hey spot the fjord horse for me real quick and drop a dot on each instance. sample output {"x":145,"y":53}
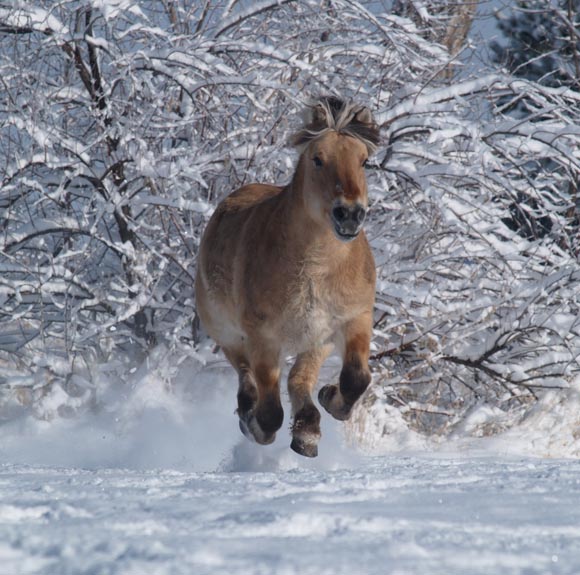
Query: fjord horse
{"x":288,"y":271}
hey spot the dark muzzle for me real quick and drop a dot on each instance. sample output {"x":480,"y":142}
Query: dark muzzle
{"x":348,"y":220}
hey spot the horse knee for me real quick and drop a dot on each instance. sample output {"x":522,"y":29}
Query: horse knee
{"x":353,"y":382}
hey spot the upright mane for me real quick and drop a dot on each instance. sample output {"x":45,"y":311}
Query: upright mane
{"x":333,"y":114}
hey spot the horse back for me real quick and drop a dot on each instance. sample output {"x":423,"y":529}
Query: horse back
{"x":248,"y":197}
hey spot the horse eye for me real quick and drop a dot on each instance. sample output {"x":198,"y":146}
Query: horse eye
{"x":317,"y":162}
{"x":365,"y":163}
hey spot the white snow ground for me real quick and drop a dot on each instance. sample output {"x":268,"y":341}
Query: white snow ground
{"x":391,"y":515}
{"x":162,"y":483}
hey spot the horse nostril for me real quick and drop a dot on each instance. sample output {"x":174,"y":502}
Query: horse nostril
{"x":350,"y":215}
{"x":359,"y":214}
{"x":340,"y":214}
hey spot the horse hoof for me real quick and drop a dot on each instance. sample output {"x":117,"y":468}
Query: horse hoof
{"x":251,"y":429}
{"x":330,"y":399}
{"x":245,"y":430}
{"x":266,"y":438}
{"x":326,"y":394}
{"x":304,"y":448}
{"x":306,"y":431}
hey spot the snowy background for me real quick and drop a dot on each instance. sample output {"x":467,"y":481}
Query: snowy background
{"x":123,"y":123}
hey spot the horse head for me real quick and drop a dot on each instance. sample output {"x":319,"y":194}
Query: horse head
{"x":335,"y":145}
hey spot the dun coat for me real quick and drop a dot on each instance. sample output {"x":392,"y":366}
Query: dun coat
{"x":288,"y":271}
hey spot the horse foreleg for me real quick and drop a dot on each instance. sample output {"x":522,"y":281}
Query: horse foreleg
{"x":301,"y":381}
{"x":247,"y":402}
{"x":355,"y":376}
{"x":259,"y":407}
{"x":269,"y":414}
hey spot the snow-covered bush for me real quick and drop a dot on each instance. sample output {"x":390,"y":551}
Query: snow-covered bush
{"x":476,"y":304}
{"x":122,"y":123}
{"x":541,"y":41}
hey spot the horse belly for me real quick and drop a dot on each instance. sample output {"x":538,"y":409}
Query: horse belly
{"x":227,"y":333}
{"x":217,"y":319}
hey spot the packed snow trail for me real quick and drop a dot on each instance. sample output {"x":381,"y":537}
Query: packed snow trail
{"x":396,"y":515}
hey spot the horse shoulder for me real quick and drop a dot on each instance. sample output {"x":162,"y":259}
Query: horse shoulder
{"x":368,"y":273}
{"x":354,"y":278}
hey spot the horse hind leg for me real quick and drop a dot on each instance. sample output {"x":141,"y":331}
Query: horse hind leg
{"x":355,"y":376}
{"x":306,"y":417}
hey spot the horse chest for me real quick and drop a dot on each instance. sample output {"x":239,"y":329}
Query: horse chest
{"x":314,"y":317}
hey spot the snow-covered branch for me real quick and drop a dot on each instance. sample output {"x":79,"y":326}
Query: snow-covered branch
{"x":123,"y":124}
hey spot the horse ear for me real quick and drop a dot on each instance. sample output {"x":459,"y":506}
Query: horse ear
{"x":316,"y":120}
{"x":300,"y":139}
{"x":319,"y":116}
{"x":364,"y":116}
{"x":365,"y":127}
